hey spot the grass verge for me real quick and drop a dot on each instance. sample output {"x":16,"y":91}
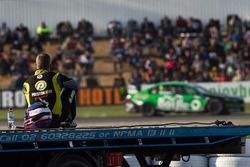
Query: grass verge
{"x":94,"y":111}
{"x":83,"y":112}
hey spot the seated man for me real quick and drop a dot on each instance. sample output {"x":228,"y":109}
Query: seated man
{"x":54,"y":89}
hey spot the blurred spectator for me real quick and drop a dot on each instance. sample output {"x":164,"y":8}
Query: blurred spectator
{"x":17,"y":45}
{"x":88,"y":44}
{"x":118,"y":58}
{"x":69,"y":46}
{"x":5,"y":34}
{"x":115,"y":29}
{"x":214,"y":51}
{"x":166,"y":26}
{"x":135,"y":57}
{"x":43,"y":31}
{"x":196,"y":64}
{"x":214,"y":23}
{"x":164,"y":44}
{"x":170,"y":63}
{"x":87,"y":63}
{"x":83,"y":62}
{"x":118,"y":54}
{"x":246,"y":58}
{"x":136,"y":79}
{"x":35,"y":46}
{"x":246,"y":24}
{"x":84,"y":29}
{"x":181,"y":25}
{"x":135,"y":42}
{"x":147,"y":28}
{"x":234,"y":23}
{"x":213,"y":73}
{"x":150,"y":64}
{"x":5,"y":64}
{"x":221,"y":77}
{"x":64,"y":29}
{"x":68,"y":65}
{"x":153,"y":76}
{"x":205,"y":77}
{"x":55,"y":63}
{"x":194,"y":25}
{"x":18,"y":83}
{"x":21,"y":62}
{"x":132,"y":28}
{"x":213,"y":29}
{"x":21,"y":34}
{"x":246,"y":74}
{"x":237,"y":76}
{"x":230,"y":72}
{"x":120,"y":83}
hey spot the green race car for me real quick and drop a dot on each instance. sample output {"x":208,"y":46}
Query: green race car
{"x":181,"y":97}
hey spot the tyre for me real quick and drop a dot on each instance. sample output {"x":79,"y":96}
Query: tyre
{"x":247,"y":146}
{"x":240,"y":160}
{"x":215,"y":106}
{"x":194,"y":161}
{"x":70,"y":160}
{"x":132,"y":160}
{"x":148,"y":110}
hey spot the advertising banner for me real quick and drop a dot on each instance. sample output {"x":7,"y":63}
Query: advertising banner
{"x":12,"y":99}
{"x":85,"y":97}
{"x":99,"y":96}
{"x":241,"y":89}
{"x":111,"y":96}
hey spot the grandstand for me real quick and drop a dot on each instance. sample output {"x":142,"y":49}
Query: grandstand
{"x":103,"y":67}
{"x":159,"y":48}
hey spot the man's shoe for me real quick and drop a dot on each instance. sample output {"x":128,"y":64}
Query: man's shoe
{"x":71,"y":124}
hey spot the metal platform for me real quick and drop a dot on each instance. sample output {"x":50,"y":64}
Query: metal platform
{"x":195,"y":138}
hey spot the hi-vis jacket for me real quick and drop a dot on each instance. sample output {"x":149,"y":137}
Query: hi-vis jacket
{"x":47,"y":86}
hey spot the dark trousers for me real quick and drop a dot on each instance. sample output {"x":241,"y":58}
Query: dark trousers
{"x":68,"y":98}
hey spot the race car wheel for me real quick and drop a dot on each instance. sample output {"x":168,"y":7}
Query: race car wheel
{"x":71,"y":160}
{"x":148,"y":110}
{"x":215,"y":106}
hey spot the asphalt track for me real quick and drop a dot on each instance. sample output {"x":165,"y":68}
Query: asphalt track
{"x":177,"y":119}
{"x":236,"y":119}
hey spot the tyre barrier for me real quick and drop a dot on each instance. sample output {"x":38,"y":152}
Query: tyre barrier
{"x":194,"y":161}
{"x":247,"y":146}
{"x":214,"y":160}
{"x":131,"y":160}
{"x":229,"y":160}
